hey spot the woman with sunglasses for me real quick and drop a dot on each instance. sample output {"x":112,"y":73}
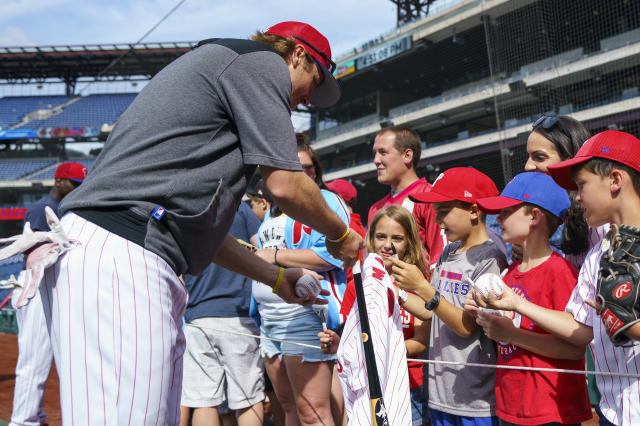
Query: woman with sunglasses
{"x":556,"y":138}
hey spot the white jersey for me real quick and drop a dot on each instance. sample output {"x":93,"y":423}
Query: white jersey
{"x":620,"y":396}
{"x":388,"y":343}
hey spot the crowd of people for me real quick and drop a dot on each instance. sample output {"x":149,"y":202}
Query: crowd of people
{"x":164,"y":201}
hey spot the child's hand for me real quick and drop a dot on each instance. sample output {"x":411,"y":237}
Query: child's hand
{"x":407,"y":276}
{"x":496,"y":327}
{"x":507,"y":302}
{"x":329,"y":341}
{"x":470,"y":305}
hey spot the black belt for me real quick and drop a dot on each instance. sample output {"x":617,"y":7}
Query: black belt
{"x":118,"y":220}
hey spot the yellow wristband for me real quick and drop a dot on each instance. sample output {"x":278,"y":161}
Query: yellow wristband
{"x":276,"y":288}
{"x":346,"y":233}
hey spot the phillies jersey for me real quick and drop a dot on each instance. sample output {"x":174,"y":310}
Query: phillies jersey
{"x":299,"y":236}
{"x":385,"y":323}
{"x":620,"y":396}
{"x":432,"y":237}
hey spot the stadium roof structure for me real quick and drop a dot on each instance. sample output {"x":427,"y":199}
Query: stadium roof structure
{"x":91,"y":62}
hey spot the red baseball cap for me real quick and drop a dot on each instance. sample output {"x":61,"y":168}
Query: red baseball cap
{"x":317,"y":45}
{"x":72,"y":171}
{"x":344,"y":189}
{"x":611,"y":144}
{"x":459,"y":183}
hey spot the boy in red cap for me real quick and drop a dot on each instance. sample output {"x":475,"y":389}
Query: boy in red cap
{"x":456,"y":393}
{"x":530,"y":209}
{"x":606,"y":174}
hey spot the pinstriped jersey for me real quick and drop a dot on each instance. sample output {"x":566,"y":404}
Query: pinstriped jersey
{"x":388,"y":342}
{"x":620,"y":396}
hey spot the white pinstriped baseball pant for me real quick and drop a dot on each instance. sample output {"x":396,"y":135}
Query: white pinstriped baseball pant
{"x":33,"y":366}
{"x":114,"y":312}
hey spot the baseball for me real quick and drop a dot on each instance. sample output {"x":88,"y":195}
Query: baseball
{"x":486,"y":283}
{"x":307,"y":285}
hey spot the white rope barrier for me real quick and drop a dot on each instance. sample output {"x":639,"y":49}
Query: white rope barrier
{"x":433,"y":361}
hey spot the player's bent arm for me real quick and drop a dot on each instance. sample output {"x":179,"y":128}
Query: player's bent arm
{"x":299,"y":197}
{"x":559,"y":323}
{"x":234,"y":257}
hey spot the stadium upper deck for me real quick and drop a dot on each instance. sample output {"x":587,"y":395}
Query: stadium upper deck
{"x":471,"y":79}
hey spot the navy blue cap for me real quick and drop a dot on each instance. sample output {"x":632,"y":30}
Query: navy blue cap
{"x":533,"y":188}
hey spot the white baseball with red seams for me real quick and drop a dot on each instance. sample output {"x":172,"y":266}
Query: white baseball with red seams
{"x":488,"y":283}
{"x":307,"y":285}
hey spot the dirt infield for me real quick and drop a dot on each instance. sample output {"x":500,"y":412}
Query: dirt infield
{"x":8,"y":357}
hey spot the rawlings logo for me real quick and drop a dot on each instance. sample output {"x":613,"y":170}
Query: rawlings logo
{"x":611,"y":322}
{"x":622,"y":291}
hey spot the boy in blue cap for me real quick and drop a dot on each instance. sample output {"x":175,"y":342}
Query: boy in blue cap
{"x":530,"y":208}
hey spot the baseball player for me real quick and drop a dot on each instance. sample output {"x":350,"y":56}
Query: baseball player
{"x":159,"y":202}
{"x":34,"y":350}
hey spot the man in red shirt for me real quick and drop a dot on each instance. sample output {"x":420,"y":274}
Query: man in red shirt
{"x":396,"y":153}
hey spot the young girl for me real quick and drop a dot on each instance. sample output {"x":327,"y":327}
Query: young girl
{"x":394,"y":226}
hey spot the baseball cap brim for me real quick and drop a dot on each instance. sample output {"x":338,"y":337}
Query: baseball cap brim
{"x":430,"y":197}
{"x":328,"y":93}
{"x":493,"y":205}
{"x":562,"y":174}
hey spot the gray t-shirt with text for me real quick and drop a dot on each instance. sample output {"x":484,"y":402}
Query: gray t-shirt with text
{"x":460,"y":390}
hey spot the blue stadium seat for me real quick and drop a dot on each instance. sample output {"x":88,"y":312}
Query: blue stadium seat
{"x":13,"y":109}
{"x":16,"y":169}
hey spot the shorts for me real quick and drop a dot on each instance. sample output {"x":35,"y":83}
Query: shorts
{"x":303,"y":329}
{"x":222,"y":367}
{"x":440,"y":418}
{"x":419,"y":407}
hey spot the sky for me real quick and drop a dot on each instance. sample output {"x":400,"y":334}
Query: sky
{"x":346,"y":23}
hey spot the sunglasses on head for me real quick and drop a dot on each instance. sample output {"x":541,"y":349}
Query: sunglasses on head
{"x":332,"y":65}
{"x":547,"y":122}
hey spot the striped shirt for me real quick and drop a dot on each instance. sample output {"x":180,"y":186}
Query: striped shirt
{"x":620,"y":396}
{"x":595,"y":236}
{"x":390,"y":353}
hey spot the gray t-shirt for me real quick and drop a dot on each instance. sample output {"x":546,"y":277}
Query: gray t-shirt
{"x":189,"y":143}
{"x":460,"y":390}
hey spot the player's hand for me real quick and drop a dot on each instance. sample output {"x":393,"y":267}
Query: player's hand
{"x":407,"y":276}
{"x":346,"y":250}
{"x":287,"y":288}
{"x":329,"y":341}
{"x":496,"y":327}
{"x":508,"y":301}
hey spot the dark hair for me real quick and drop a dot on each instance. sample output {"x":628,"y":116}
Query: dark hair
{"x":553,"y":221}
{"x":603,"y":167}
{"x":568,"y":135}
{"x":405,"y":138}
{"x":305,"y":146}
